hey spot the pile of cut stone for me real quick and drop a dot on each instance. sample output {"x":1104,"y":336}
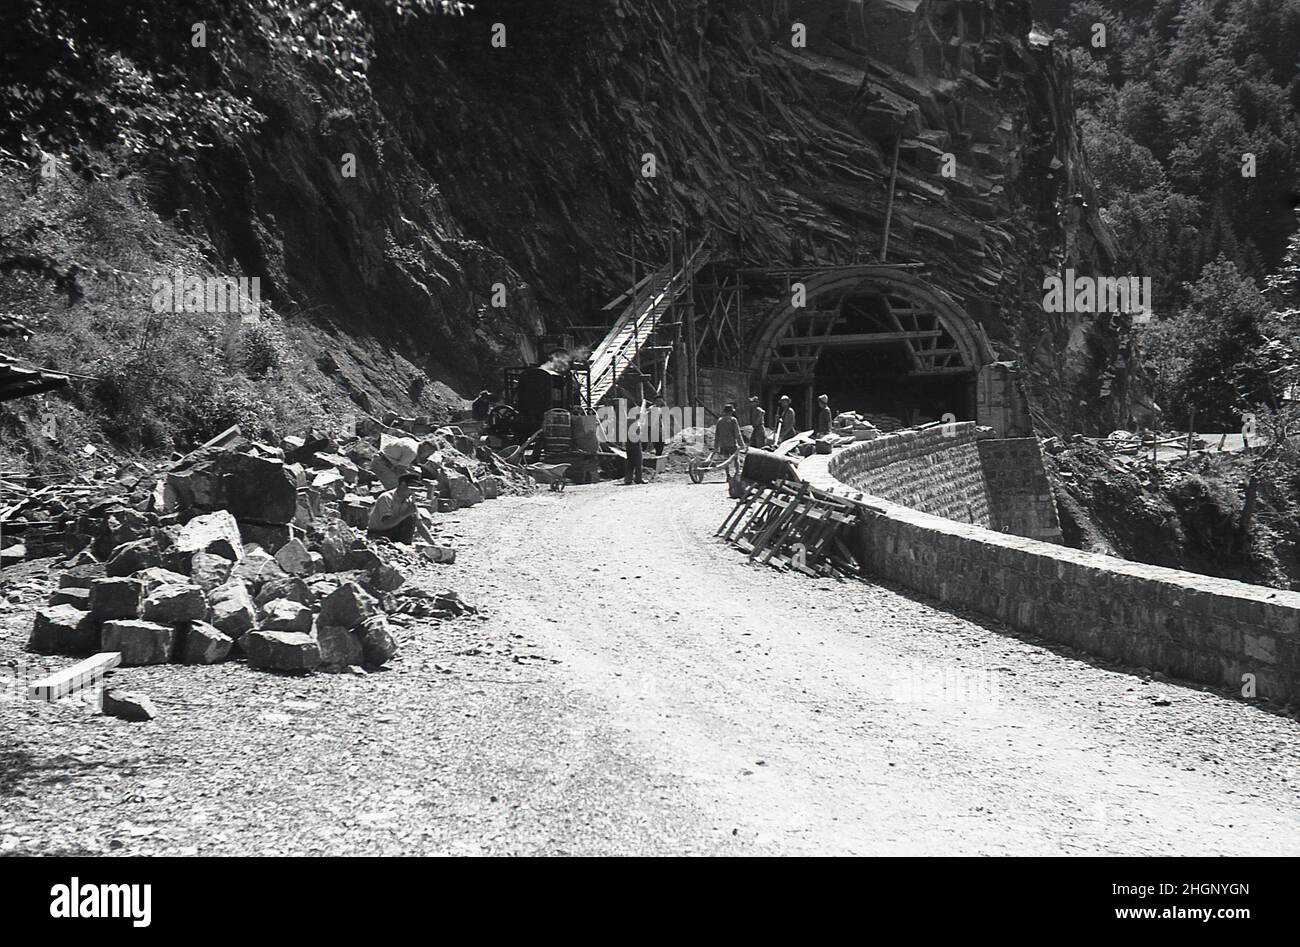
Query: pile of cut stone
{"x":197,"y":594}
{"x":246,"y":549}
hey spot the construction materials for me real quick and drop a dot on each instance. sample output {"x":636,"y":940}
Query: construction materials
{"x":557,"y":428}
{"x":793,"y":526}
{"x":701,"y":467}
{"x":766,"y":466}
{"x":71,"y":680}
{"x":638,"y":326}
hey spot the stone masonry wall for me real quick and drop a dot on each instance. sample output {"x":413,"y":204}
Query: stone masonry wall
{"x":1219,"y":632}
{"x":936,"y":469}
{"x":1020,"y":496}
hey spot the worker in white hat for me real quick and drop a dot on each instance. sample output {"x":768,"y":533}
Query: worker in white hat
{"x":784,"y":420}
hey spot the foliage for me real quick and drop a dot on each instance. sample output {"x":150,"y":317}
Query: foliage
{"x":1193,"y":88}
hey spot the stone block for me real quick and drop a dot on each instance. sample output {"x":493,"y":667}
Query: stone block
{"x":340,"y":648}
{"x":141,"y":642}
{"x":208,"y":570}
{"x":63,"y":629}
{"x":377,"y":641}
{"x":285,"y":615}
{"x":347,"y":606}
{"x":173,"y":604}
{"x":281,"y":651}
{"x":115,"y":597}
{"x":216,"y":533}
{"x":79,"y":598}
{"x":203,"y":644}
{"x":231,"y":610}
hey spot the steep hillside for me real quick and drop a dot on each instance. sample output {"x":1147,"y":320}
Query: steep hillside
{"x":481,"y":166}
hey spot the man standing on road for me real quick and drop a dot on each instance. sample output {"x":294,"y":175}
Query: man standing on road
{"x":659,"y":432}
{"x":726,"y":439}
{"x":633,"y":469}
{"x":758,"y":418}
{"x":823,"y":423}
{"x":784,"y":420}
{"x":395,"y":515}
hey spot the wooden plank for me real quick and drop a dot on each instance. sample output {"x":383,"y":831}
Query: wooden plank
{"x":863,"y":338}
{"x":72,"y":679}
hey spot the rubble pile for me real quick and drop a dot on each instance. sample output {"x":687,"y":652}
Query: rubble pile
{"x":245,"y":549}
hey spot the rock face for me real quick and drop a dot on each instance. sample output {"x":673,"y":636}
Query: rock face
{"x":281,"y":651}
{"x":141,"y":642}
{"x":786,"y":152}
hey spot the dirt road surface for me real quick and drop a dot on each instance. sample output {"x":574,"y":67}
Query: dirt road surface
{"x":635,"y":686}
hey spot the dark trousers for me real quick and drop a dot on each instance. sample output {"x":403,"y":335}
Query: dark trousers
{"x":632,"y":468}
{"x":403,"y":532}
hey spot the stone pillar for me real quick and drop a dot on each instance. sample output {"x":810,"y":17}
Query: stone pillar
{"x":1000,"y":401}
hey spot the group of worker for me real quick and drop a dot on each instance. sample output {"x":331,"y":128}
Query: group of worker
{"x":728,"y":437}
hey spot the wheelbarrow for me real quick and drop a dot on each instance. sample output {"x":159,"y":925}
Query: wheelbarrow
{"x":701,"y":467}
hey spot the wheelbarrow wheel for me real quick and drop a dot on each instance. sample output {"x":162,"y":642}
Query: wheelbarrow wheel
{"x":697,"y":472}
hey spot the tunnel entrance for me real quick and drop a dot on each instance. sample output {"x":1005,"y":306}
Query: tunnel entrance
{"x":874,"y":348}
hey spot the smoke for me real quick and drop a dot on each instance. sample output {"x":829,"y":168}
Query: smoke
{"x":560,"y":361}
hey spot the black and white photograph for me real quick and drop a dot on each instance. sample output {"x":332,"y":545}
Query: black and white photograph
{"x":651,"y":428}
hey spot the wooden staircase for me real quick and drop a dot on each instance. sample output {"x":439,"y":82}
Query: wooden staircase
{"x":637,"y":329}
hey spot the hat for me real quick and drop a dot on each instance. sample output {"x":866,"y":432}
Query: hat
{"x":410,"y":478}
{"x":785,"y":398}
{"x":753,"y":399}
{"x":824,"y":398}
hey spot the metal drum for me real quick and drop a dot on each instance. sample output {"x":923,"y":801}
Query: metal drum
{"x":557,"y":429}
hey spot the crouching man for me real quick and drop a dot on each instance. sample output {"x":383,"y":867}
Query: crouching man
{"x":395,"y":515}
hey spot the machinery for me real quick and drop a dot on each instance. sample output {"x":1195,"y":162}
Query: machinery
{"x":529,"y":392}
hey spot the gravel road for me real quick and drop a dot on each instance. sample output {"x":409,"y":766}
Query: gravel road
{"x":635,"y":686}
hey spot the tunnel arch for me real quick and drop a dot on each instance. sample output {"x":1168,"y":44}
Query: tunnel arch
{"x":878,"y":339}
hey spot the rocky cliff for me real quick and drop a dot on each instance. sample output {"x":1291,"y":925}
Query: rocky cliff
{"x":498,"y":163}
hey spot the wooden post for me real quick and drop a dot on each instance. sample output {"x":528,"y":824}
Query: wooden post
{"x":889,"y":206}
{"x":1191,"y":427}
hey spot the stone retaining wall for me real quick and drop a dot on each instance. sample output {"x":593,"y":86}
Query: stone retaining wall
{"x":1214,"y":631}
{"x":936,"y":469}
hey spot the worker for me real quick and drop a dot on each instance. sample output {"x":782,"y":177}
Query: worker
{"x":726,"y":439}
{"x":784,"y":420}
{"x":481,"y":405}
{"x":395,"y":515}
{"x":659,"y":432}
{"x":633,"y":466}
{"x":758,"y":418}
{"x":823,"y":423}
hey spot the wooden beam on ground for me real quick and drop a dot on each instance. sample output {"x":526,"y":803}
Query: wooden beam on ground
{"x":73,"y":679}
